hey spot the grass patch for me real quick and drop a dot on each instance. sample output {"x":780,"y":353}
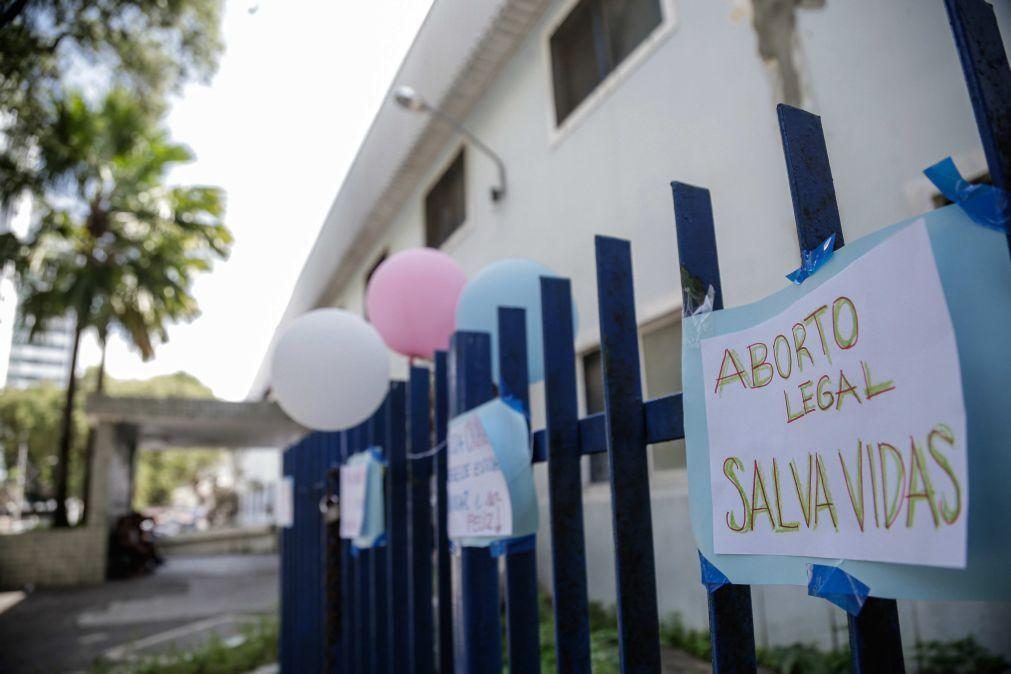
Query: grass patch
{"x":258,"y":647}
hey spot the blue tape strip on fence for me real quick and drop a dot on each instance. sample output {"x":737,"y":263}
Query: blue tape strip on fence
{"x":812,"y":260}
{"x":512,"y":546}
{"x":515,"y":403}
{"x":984,"y":204}
{"x":712,"y":577}
{"x":835,"y":585}
{"x":380,"y":542}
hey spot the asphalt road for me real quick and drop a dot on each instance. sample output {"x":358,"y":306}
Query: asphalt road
{"x":65,"y":630}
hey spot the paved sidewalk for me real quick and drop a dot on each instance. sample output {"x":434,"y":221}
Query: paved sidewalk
{"x":64,"y":630}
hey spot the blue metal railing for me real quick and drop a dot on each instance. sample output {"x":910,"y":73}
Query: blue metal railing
{"x":415,"y":605}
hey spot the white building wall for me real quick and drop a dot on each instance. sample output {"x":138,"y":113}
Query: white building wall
{"x":698,"y":105}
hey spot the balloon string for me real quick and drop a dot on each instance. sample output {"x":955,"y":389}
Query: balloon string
{"x":431,"y":452}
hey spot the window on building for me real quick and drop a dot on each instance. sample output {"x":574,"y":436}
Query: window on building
{"x":593,"y":388}
{"x":660,"y":349}
{"x":592,"y":41}
{"x":368,"y":277}
{"x":661,"y":359}
{"x":446,"y":204}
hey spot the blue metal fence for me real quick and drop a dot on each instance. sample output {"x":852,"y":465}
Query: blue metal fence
{"x":415,"y":605}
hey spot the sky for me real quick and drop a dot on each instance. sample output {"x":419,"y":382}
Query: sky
{"x":277,"y":128}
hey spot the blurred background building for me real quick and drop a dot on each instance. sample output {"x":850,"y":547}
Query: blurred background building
{"x":25,"y":360}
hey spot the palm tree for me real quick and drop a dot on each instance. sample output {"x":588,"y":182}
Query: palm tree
{"x":113,"y":245}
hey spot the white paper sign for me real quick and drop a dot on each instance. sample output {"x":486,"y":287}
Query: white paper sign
{"x":353,"y":484}
{"x":479,"y":502}
{"x":837,"y":429}
{"x":284,"y":499}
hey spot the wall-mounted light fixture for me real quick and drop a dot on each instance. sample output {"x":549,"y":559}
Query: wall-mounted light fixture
{"x":409,"y":99}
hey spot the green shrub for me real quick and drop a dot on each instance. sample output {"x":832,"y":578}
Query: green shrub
{"x":964,"y":656}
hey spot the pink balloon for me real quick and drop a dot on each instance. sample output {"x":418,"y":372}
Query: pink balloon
{"x":411,"y":300}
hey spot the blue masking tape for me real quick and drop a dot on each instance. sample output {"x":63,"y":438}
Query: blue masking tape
{"x":812,"y":260}
{"x":984,"y":204}
{"x":712,"y":577}
{"x":514,"y":403}
{"x":380,"y":542}
{"x":835,"y":585}
{"x":511,"y":546}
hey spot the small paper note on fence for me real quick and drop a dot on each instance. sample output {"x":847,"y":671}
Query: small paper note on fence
{"x":284,"y":501}
{"x":479,"y":502}
{"x":837,"y":428}
{"x":353,"y":484}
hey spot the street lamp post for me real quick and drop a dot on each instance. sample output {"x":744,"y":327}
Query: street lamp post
{"x":409,"y":99}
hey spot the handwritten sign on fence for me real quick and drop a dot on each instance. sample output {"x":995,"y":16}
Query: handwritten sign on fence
{"x":837,"y":427}
{"x":284,"y":502}
{"x":861,"y":417}
{"x":479,"y":501}
{"x":353,"y":484}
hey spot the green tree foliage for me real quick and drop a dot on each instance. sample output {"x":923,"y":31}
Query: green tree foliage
{"x":112,"y":244}
{"x":144,"y":46}
{"x":178,"y":385}
{"x":33,"y":415}
{"x":160,"y":472}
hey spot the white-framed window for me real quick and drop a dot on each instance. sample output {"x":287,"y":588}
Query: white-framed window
{"x":660,"y":360}
{"x":592,"y":43}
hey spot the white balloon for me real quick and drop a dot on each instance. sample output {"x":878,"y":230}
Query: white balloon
{"x":330,"y":370}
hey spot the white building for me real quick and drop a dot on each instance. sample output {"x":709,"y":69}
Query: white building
{"x":25,"y":361}
{"x":594,"y":107}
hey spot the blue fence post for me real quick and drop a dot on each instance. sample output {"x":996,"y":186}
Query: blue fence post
{"x":298,"y":531}
{"x":332,"y":559}
{"x":383,"y":434}
{"x":565,"y":485}
{"x":523,"y":629}
{"x":731,"y":621}
{"x":988,"y":77}
{"x":320,"y":468}
{"x":875,"y":638}
{"x":285,"y":645}
{"x":625,"y":429}
{"x":308,"y":531}
{"x":348,"y":586}
{"x":419,"y":509}
{"x":442,"y":552}
{"x":363,"y":579}
{"x":477,"y":638}
{"x":396,"y":571}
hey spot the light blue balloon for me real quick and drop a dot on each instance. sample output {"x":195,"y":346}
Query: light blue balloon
{"x":514,"y":282}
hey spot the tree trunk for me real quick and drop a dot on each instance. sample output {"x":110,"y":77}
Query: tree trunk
{"x":67,"y":432}
{"x":89,"y":450}
{"x":100,"y":382}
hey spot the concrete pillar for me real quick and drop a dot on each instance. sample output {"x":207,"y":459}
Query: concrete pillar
{"x":112,"y":472}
